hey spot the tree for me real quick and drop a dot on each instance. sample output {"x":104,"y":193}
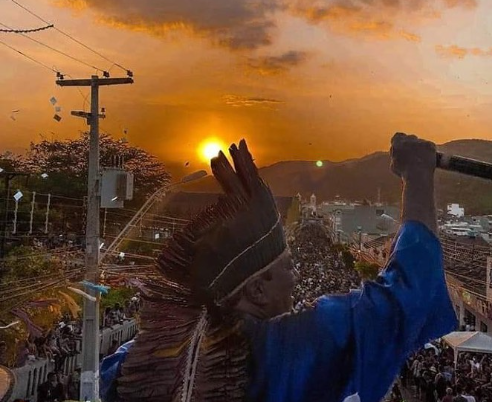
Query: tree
{"x":29,"y":262}
{"x":66,"y":162}
{"x":11,"y":162}
{"x":348,"y":259}
{"x":367,"y":270}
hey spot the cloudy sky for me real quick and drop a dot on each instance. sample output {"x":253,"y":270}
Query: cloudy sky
{"x":299,"y":79}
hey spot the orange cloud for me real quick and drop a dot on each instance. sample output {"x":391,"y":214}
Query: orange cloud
{"x":458,"y":52}
{"x":238,"y":24}
{"x":242,"y":101}
{"x":250,"y":24}
{"x":461,"y":3}
{"x":410,"y":36}
{"x":273,"y":65}
{"x":380,"y":19}
{"x":381,"y":29}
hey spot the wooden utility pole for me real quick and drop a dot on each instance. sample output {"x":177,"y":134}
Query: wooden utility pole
{"x":89,"y":387}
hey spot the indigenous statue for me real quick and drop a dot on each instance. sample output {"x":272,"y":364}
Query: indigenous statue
{"x":217,"y":325}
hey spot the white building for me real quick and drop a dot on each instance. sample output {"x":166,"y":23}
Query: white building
{"x":456,"y":210}
{"x":462,"y":229}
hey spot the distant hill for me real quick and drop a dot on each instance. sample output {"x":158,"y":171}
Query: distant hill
{"x":357,"y":179}
{"x":186,"y":204}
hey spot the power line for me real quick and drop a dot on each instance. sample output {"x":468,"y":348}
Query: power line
{"x":130,"y":74}
{"x":57,"y":50}
{"x":70,"y":249}
{"x":30,"y":58}
{"x":21,"y":282}
{"x":24,"y":31}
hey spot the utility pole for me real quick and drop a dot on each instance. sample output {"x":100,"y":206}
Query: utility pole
{"x":89,"y":387}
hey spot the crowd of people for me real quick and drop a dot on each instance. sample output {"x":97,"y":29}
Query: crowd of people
{"x":64,"y":338}
{"x":322,"y":270}
{"x":62,"y":341}
{"x":118,"y":314}
{"x":429,"y":374}
{"x":432,"y":376}
{"x":56,"y":345}
{"x":59,"y":387}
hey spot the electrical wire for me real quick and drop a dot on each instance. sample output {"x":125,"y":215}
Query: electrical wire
{"x":30,"y":58}
{"x":73,"y":39}
{"x":33,"y":278}
{"x":54,"y":284}
{"x":66,"y":275}
{"x":42,"y":254}
{"x":132,"y":255}
{"x":57,"y":50}
{"x":24,"y":31}
{"x":185,"y":221}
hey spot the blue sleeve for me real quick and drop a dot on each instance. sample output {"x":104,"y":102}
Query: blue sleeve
{"x":407,"y":306}
{"x":110,"y":371}
{"x":355,"y":344}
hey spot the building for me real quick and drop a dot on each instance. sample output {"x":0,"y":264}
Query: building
{"x":461,"y":228}
{"x":370,"y":220}
{"x":467,"y":262}
{"x":455,"y":210}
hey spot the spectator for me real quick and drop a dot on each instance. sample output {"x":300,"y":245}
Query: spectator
{"x":51,"y":390}
{"x":117,"y":314}
{"x":449,"y":395}
{"x":396,"y":395}
{"x":23,"y":355}
{"x":429,"y":388}
{"x":73,"y":384}
{"x":121,"y":313}
{"x":108,"y":318}
{"x":128,"y":311}
{"x":459,"y":395}
{"x":441,"y":384}
{"x":31,"y":345}
{"x":467,"y":394}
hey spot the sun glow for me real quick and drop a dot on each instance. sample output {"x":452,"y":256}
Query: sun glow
{"x":210,"y":148}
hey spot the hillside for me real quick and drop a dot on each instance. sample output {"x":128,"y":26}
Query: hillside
{"x":357,"y":179}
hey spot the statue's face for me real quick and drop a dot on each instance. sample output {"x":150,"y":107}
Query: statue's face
{"x":280,"y":287}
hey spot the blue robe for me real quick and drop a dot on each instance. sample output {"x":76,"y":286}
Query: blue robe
{"x":348,"y":346}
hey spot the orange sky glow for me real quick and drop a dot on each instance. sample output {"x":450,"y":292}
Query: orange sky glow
{"x":299,"y":79}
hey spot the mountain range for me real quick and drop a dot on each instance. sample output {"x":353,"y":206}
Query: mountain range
{"x":364,"y":178}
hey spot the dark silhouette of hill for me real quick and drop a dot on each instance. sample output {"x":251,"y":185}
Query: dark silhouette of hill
{"x":358,"y":179}
{"x":187,"y":204}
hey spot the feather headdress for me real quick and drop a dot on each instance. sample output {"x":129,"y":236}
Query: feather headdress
{"x":183,"y":352}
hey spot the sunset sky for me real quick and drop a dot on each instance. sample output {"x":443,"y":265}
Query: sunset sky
{"x":299,"y":79}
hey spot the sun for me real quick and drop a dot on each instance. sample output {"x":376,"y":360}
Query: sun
{"x":210,"y":148}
